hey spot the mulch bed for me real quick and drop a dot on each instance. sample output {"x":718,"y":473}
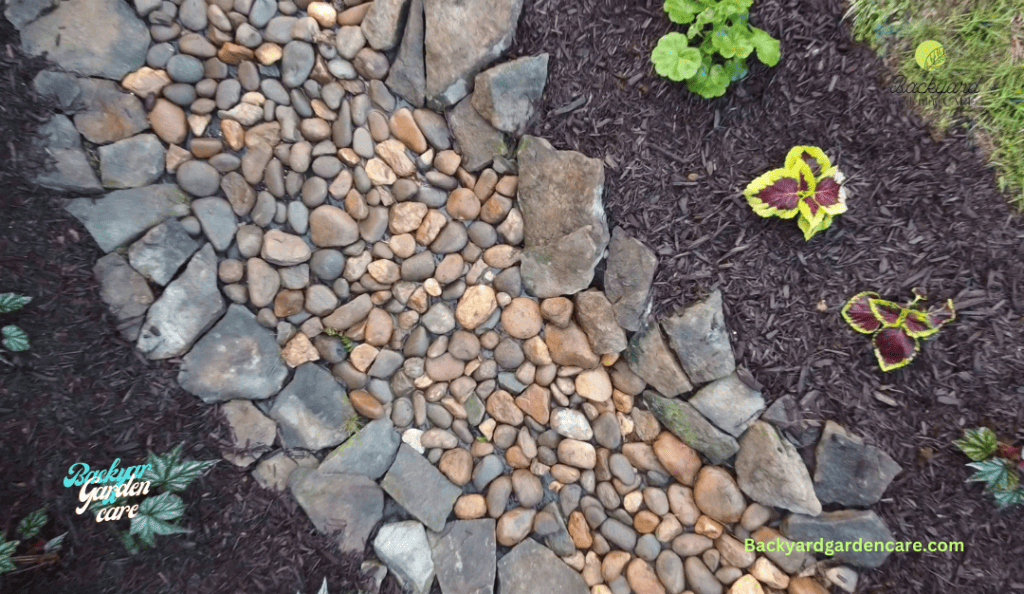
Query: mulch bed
{"x":923,"y":212}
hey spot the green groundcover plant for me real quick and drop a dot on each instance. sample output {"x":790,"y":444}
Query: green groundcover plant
{"x":37,"y":552}
{"x":995,"y":463}
{"x":808,"y":187}
{"x":709,"y":59}
{"x":13,"y":338}
{"x":895,"y":329}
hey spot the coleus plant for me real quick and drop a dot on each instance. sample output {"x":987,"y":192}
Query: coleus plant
{"x":808,"y":187}
{"x":895,"y":329}
{"x":709,"y":59}
{"x":995,"y":463}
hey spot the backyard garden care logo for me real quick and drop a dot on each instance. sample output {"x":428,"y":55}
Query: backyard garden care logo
{"x":106,"y":486}
{"x":930,"y":55}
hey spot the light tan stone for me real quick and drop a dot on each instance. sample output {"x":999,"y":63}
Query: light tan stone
{"x":475,"y":306}
{"x":145,"y":81}
{"x":595,"y":385}
{"x":392,"y":152}
{"x":379,"y":172}
{"x":299,"y":350}
{"x":768,"y":574}
{"x":471,"y":506}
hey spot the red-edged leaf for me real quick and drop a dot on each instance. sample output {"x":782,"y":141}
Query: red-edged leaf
{"x":857,"y":313}
{"x":827,"y":195}
{"x":888,"y":313}
{"x":815,"y":158}
{"x":918,"y":324}
{"x":943,"y":316}
{"x":774,"y":194}
{"x":894,"y":348}
{"x":781,"y":195}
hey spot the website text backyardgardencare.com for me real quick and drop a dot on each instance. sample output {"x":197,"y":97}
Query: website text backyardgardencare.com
{"x":831,"y":547}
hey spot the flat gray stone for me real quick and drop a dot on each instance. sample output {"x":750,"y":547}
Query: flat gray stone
{"x":60,"y":86}
{"x":122,"y":216}
{"x":370,"y":452}
{"x":383,"y":23}
{"x":237,"y":359}
{"x":189,"y":306}
{"x":846,"y":526}
{"x":463,"y":38}
{"x":691,"y":427}
{"x":105,"y":113}
{"x":23,"y":12}
{"x":650,"y":358}
{"x":407,"y":76}
{"x":730,"y":404}
{"x":464,"y":557}
{"x":507,"y":94}
{"x":770,"y":471}
{"x":132,"y":162}
{"x":628,"y":277}
{"x":597,"y":319}
{"x":479,"y":142}
{"x":403,"y":547}
{"x":70,"y":169}
{"x":700,"y":338}
{"x":313,"y":411}
{"x":420,"y":488}
{"x":849,"y":472}
{"x":162,"y":251}
{"x":125,"y":292}
{"x":89,"y":37}
{"x":346,"y":506}
{"x":531,"y":567}
{"x":218,"y":221}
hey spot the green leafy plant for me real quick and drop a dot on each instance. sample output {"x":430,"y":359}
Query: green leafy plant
{"x":709,"y":59}
{"x":895,"y":329}
{"x":345,"y":341}
{"x":38,"y":553}
{"x":14,"y":338}
{"x":808,"y":187}
{"x":995,"y":463}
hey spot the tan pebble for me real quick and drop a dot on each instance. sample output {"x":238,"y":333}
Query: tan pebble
{"x":379,"y":172}
{"x":642,"y":579}
{"x":365,"y":404}
{"x":269,"y":53}
{"x":463,"y":205}
{"x":234,"y":54}
{"x":668,"y":529}
{"x":623,"y":402}
{"x":705,"y":526}
{"x":507,"y":186}
{"x":613,"y":565}
{"x":168,"y":121}
{"x":447,"y":162}
{"x":432,"y":287}
{"x":679,"y":459}
{"x":403,"y":245}
{"x":768,"y":574}
{"x":353,"y":16}
{"x":349,"y":157}
{"x":576,"y":561}
{"x":457,"y":465}
{"x":595,"y":385}
{"x":631,"y":502}
{"x":557,"y":310}
{"x":475,"y":306}
{"x":646,"y":521}
{"x":363,"y":356}
{"x":470,"y":507}
{"x":406,"y":217}
{"x":805,"y":585}
{"x":323,"y":13}
{"x":204,"y":148}
{"x":299,"y":350}
{"x":591,"y":567}
{"x":233,"y":133}
{"x":176,"y":155}
{"x":288,"y":303}
{"x":579,"y":531}
{"x":747,"y":584}
{"x":502,"y":257}
{"x":465,"y":178}
{"x":485,"y":183}
{"x":565,"y":474}
{"x":432,"y":224}
{"x":404,"y":128}
{"x":145,"y":81}
{"x":393,"y":153}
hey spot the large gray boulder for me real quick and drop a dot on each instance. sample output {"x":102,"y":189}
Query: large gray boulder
{"x":849,"y":472}
{"x":770,"y":471}
{"x":189,"y":306}
{"x":237,"y":359}
{"x":89,"y":37}
{"x":847,"y":526}
{"x":346,"y":506}
{"x":463,"y":38}
{"x":132,"y":162}
{"x":649,"y":357}
{"x":122,"y":216}
{"x":160,"y":253}
{"x":479,"y":142}
{"x":691,"y":427}
{"x":382,"y":24}
{"x":407,"y":76}
{"x":70,"y":169}
{"x":628,"y":277}
{"x":370,"y":452}
{"x":464,"y":557}
{"x":564,"y":225}
{"x":531,"y":567}
{"x":507,"y":94}
{"x":730,"y":404}
{"x":313,"y":411}
{"x":403,"y":547}
{"x":125,"y":292}
{"x":701,"y":339}
{"x":419,"y":487}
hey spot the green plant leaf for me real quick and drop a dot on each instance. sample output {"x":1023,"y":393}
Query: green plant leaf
{"x":14,"y":338}
{"x":768,"y":49}
{"x":736,"y":68}
{"x":998,"y":474}
{"x":1008,"y":498}
{"x":7,"y":548}
{"x":130,"y":542}
{"x":171,"y":474}
{"x":154,"y":516}
{"x":54,"y":544}
{"x":710,"y":81}
{"x":978,"y":444}
{"x":683,"y":12}
{"x":31,"y":524}
{"x":12,"y":302}
{"x":674,"y":59}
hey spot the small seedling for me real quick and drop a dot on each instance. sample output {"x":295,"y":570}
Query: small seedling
{"x":14,"y":338}
{"x":995,"y":463}
{"x":895,"y":329}
{"x":38,"y":553}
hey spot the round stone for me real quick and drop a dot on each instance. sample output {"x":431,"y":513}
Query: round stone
{"x":594,"y":385}
{"x":185,"y":69}
{"x":522,"y":319}
{"x":471,"y":506}
{"x":718,"y":496}
{"x":198,"y":178}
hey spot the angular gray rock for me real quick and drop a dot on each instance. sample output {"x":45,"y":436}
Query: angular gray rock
{"x":849,"y":472}
{"x":700,"y":338}
{"x":507,"y":94}
{"x":419,"y":487}
{"x":132,"y":162}
{"x":189,"y":306}
{"x":846,"y":526}
{"x":403,"y":547}
{"x":344,"y":505}
{"x":649,"y":357}
{"x":60,"y":86}
{"x":730,"y":404}
{"x":462,"y":38}
{"x":407,"y":76}
{"x":531,"y":567}
{"x":237,"y":359}
{"x":23,"y":12}
{"x":478,"y":141}
{"x":565,"y":229}
{"x":108,"y":113}
{"x":383,"y":23}
{"x":597,"y":319}
{"x":89,"y":37}
{"x":160,"y":253}
{"x":691,"y":427}
{"x":122,"y":216}
{"x":628,"y":277}
{"x":770,"y":471}
{"x":370,"y":452}
{"x":217,"y":219}
{"x":464,"y":557}
{"x":313,"y":411}
{"x":70,"y":170}
{"x":125,"y":292}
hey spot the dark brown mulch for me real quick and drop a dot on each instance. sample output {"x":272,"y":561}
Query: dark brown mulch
{"x":922,"y":213}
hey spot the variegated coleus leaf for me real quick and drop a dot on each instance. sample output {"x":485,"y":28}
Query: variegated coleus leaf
{"x":813,"y":156}
{"x":858,"y":314}
{"x":780,"y":191}
{"x":890,"y":314}
{"x":894,"y":348}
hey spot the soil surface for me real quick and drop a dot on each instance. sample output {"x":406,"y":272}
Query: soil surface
{"x":923,"y":212}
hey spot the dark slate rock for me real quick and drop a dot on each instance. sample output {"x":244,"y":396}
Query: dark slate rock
{"x":847,"y":526}
{"x":161,"y":252}
{"x":628,"y":277}
{"x":237,"y":359}
{"x":531,"y":567}
{"x":507,"y":94}
{"x":344,"y":505}
{"x":189,"y":306}
{"x":370,"y":452}
{"x":23,"y":12}
{"x":132,"y":162}
{"x":464,"y":557}
{"x":122,"y":216}
{"x":420,"y":488}
{"x":312,"y":411}
{"x":559,"y":541}
{"x":403,"y":547}
{"x":70,"y":170}
{"x":407,"y":76}
{"x":217,"y":219}
{"x":691,"y":427}
{"x":649,"y":357}
{"x":60,"y":86}
{"x":770,"y":471}
{"x":730,"y":404}
{"x":478,"y":141}
{"x":849,"y":472}
{"x":701,"y":340}
{"x":125,"y":292}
